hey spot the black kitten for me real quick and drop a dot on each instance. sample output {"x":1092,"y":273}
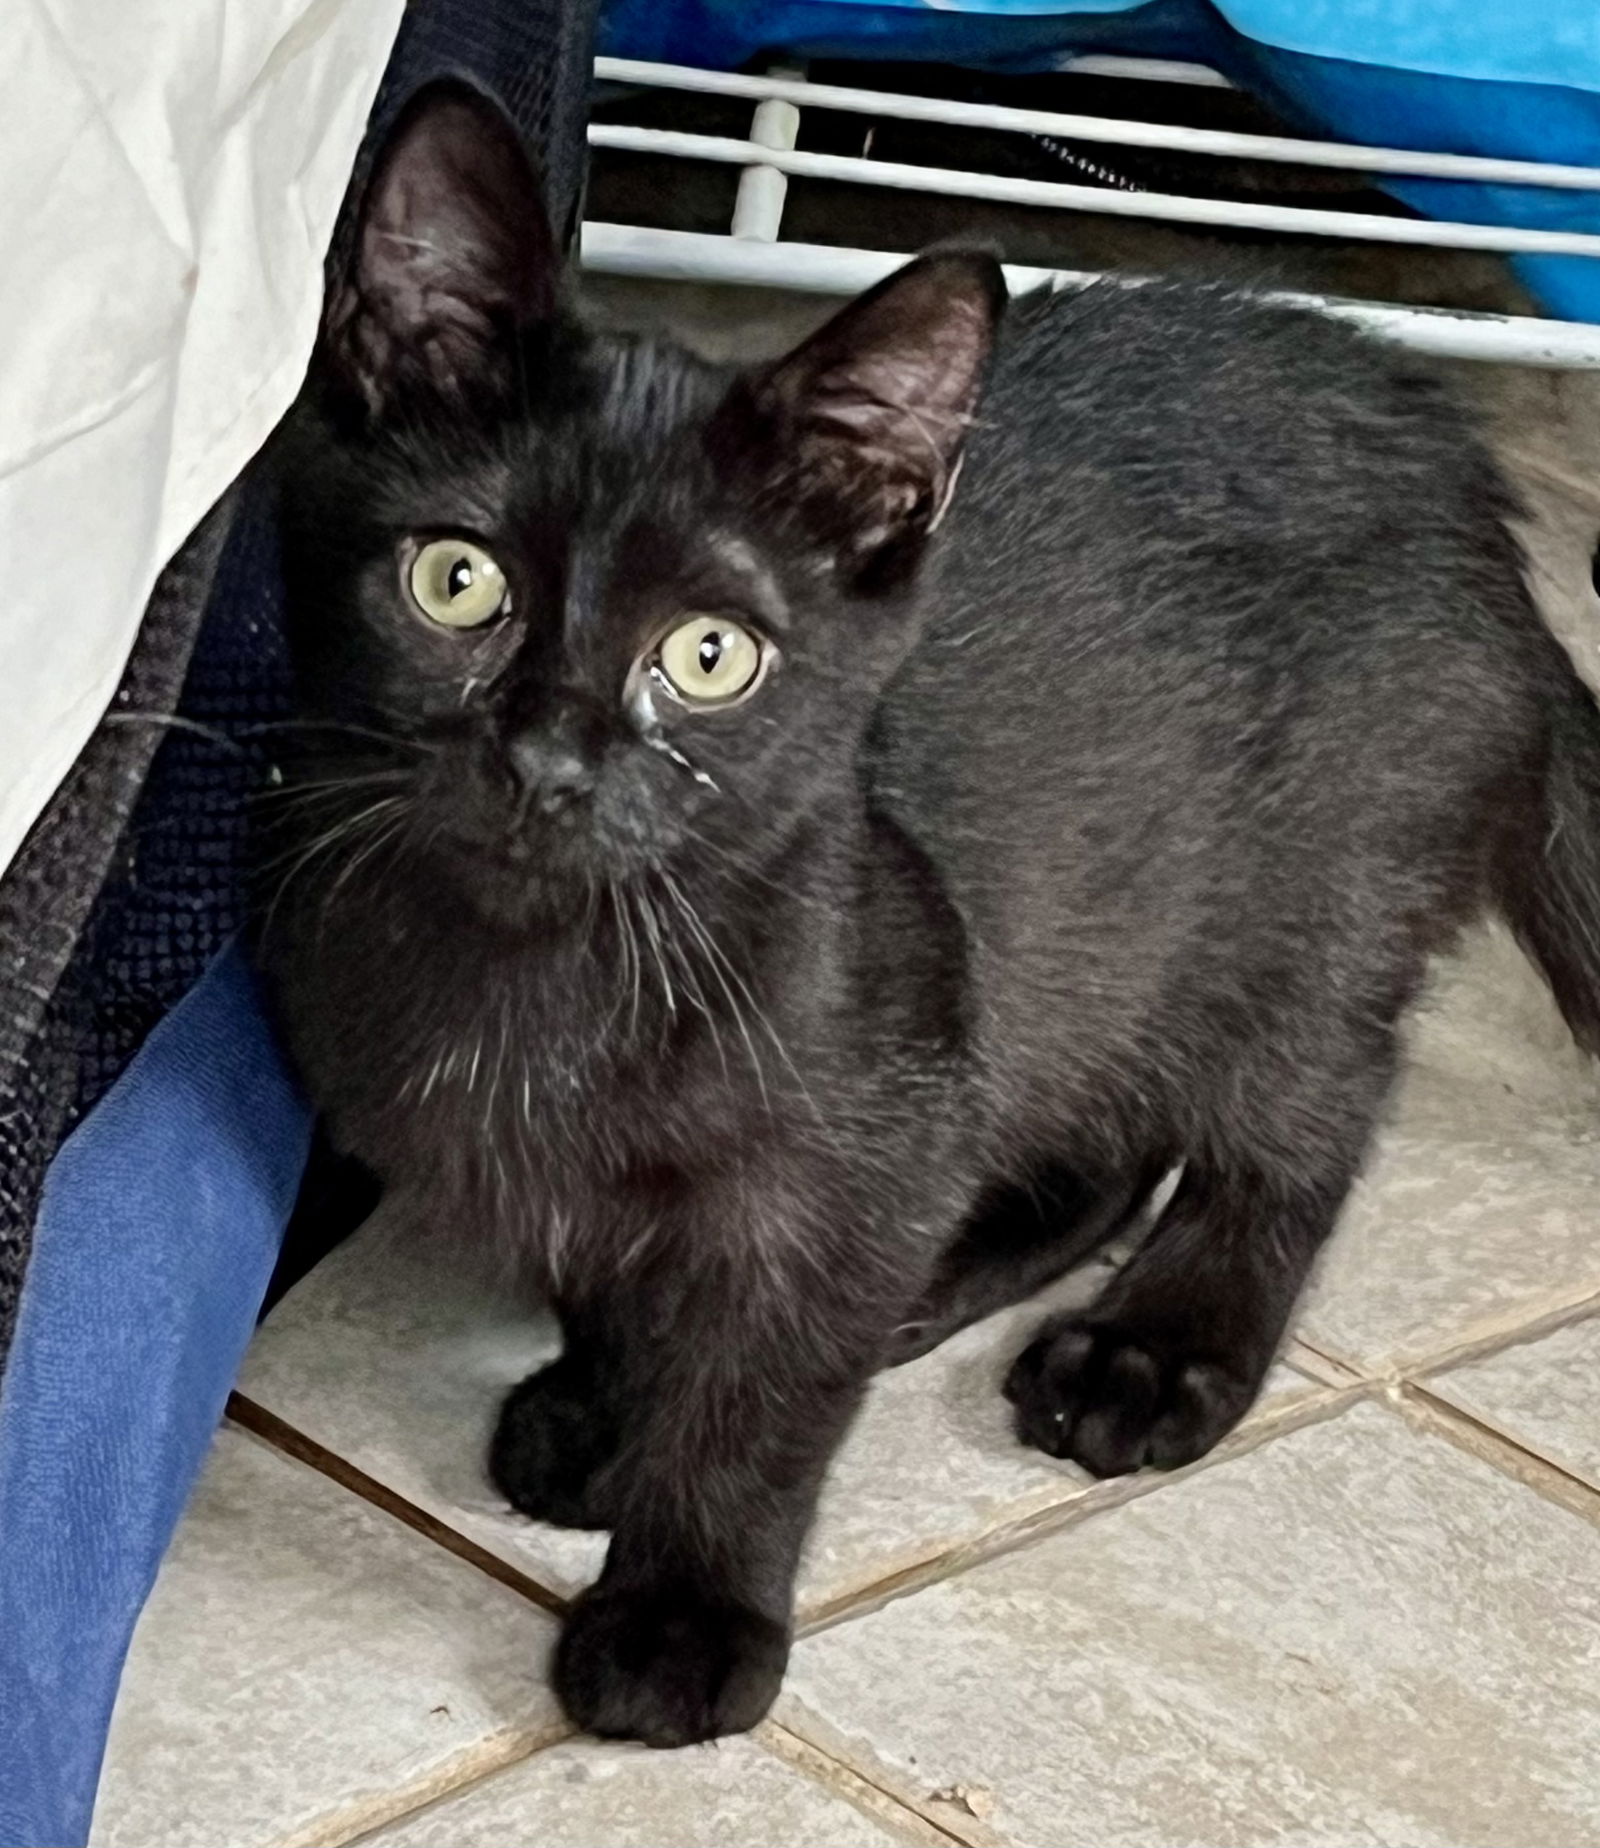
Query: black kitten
{"x":798,"y":900}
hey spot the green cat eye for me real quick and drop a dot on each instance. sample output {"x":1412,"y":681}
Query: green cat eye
{"x":457,"y":584}
{"x":710,"y":661}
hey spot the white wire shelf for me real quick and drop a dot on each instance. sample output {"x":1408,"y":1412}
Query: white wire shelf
{"x":1173,"y":208}
{"x":1131,"y":134}
{"x":824,"y":269}
{"x":755,"y":254}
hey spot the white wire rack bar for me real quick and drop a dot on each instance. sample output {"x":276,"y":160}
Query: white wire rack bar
{"x":996,"y":116}
{"x":951,"y":182}
{"x":758,"y":209}
{"x":754,"y":255}
{"x":685,"y":256}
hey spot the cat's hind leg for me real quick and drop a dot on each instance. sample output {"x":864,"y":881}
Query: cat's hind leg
{"x":1019,"y":1237}
{"x":1173,"y":1352}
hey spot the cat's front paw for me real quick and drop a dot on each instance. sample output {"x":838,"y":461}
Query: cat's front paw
{"x":550,"y":1449}
{"x":1115,"y":1399}
{"x":666,"y":1665}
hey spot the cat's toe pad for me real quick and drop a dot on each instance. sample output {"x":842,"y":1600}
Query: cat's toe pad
{"x":1098,"y":1395}
{"x":667,"y":1666}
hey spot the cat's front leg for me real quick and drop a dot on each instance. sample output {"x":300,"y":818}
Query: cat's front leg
{"x":740,"y":1384}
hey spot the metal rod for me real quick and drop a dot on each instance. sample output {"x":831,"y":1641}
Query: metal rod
{"x":1102,"y":128}
{"x":952,"y":183}
{"x":685,"y":256}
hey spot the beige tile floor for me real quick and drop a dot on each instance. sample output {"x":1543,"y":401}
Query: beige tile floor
{"x":1373,"y":1618}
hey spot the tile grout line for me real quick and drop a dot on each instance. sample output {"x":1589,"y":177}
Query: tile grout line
{"x":359,"y":1819}
{"x":1022,"y":1531}
{"x":798,"y":1754}
{"x":1492,"y":1339}
{"x":470,"y":1767}
{"x":1343,"y":1385}
{"x":936,"y":1810}
{"x":340,"y":1829}
{"x":1320,"y":1364}
{"x":1337,"y":1374}
{"x":804,"y":1753}
{"x":1079,"y":1502}
{"x":1482,"y":1340}
{"x":853,"y":1785}
{"x":1511,"y":1456}
{"x":292,"y":1442}
{"x":1341,"y":1378}
{"x":1411,"y":1400}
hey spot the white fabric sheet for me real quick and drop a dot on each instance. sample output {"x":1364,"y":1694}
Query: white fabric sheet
{"x":170,"y":171}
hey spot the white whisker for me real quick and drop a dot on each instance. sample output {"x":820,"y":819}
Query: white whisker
{"x":717,"y":962}
{"x":652,"y":926}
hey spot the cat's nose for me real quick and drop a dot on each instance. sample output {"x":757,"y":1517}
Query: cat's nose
{"x":551,"y":771}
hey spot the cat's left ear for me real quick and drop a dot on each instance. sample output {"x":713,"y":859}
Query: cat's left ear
{"x":862,"y":427}
{"x":453,"y":254}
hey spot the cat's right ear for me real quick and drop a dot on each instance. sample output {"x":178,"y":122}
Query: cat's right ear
{"x":453,"y":256}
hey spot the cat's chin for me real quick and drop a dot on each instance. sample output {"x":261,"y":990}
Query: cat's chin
{"x":523,"y":898}
{"x":524,"y":885}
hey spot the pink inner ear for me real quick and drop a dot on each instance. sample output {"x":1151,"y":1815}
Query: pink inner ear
{"x":878,"y":403}
{"x":453,"y":248}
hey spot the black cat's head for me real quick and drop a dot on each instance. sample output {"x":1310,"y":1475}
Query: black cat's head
{"x":612,"y":604}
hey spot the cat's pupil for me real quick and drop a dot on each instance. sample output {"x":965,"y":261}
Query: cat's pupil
{"x":460,"y":578}
{"x":710,"y":652}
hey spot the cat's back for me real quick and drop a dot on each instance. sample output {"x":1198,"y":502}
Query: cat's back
{"x":1221,"y":581}
{"x":1208,"y":419}
{"x":1171,"y":480}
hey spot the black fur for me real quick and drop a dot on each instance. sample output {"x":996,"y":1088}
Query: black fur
{"x":1100,"y":815}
